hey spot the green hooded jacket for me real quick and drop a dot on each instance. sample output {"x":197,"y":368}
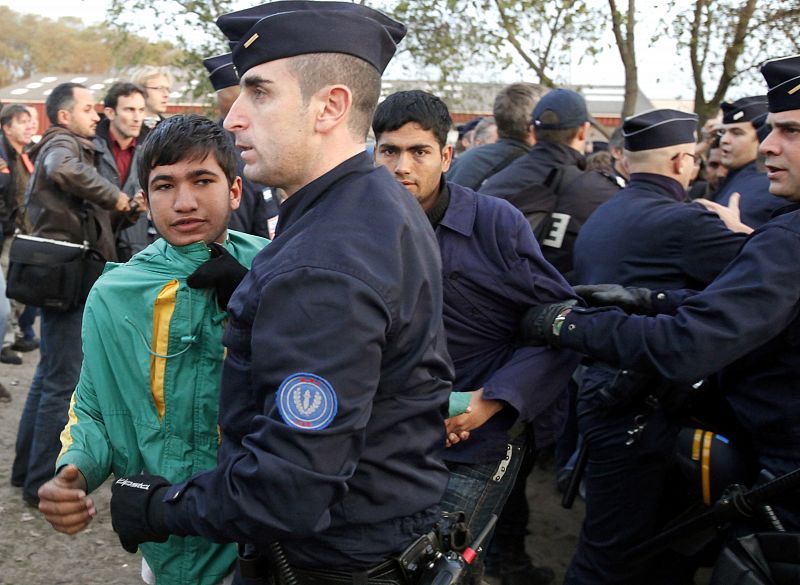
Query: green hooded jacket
{"x":147,"y":398}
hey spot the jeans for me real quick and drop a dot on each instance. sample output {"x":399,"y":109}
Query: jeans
{"x":46,"y":408}
{"x":26,"y":321}
{"x":5,"y":308}
{"x":481,"y":489}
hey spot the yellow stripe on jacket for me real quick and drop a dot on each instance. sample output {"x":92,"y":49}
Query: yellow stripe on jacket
{"x":162,"y":315}
{"x":66,"y":434}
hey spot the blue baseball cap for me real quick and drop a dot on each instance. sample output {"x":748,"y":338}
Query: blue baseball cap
{"x":560,"y":109}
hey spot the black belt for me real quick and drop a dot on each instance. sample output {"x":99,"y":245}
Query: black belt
{"x":387,"y":573}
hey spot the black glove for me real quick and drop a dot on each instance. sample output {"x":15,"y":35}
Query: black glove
{"x":629,"y":299}
{"x":137,"y":510}
{"x":537,"y":324}
{"x":222,"y":272}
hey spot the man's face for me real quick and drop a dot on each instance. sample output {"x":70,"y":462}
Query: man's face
{"x":19,"y":130}
{"x":190,"y":201}
{"x":273,"y":128}
{"x":782,"y":151}
{"x":416,"y":159}
{"x":157,"y":89}
{"x":738,"y":144}
{"x":715,"y":170}
{"x":34,"y":119}
{"x":127,"y":118}
{"x":82,"y":118}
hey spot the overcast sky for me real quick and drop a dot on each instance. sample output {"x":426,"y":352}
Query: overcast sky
{"x":659,"y":74}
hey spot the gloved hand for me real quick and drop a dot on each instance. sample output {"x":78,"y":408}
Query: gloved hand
{"x":137,"y":510}
{"x":629,"y":299}
{"x":222,"y":272}
{"x":537,"y":327}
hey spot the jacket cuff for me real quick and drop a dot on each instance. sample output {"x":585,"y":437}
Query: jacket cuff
{"x":86,"y":464}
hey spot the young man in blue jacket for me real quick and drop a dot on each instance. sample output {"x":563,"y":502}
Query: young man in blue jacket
{"x":492,"y":270}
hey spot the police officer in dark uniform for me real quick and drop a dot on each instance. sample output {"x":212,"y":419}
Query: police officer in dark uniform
{"x":258,"y":211}
{"x":739,"y":146}
{"x":336,"y":375}
{"x":646,"y":235}
{"x":745,"y":324}
{"x":560,"y":124}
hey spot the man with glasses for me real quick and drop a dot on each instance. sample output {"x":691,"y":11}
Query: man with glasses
{"x":157,"y":84}
{"x":644,"y":236}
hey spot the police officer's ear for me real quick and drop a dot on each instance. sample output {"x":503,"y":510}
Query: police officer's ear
{"x":236,"y":193}
{"x":332,"y":105}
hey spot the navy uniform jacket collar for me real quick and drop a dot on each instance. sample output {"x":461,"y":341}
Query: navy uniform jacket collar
{"x":788,"y":208}
{"x":460,"y":214}
{"x":306,"y":198}
{"x":658,"y":183}
{"x":743,"y":170}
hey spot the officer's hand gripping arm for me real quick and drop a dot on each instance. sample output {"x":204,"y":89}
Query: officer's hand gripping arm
{"x":137,"y":510}
{"x":541,"y":325}
{"x":629,"y":299}
{"x":222,"y":272}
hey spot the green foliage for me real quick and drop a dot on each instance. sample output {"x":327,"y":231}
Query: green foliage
{"x":33,"y":44}
{"x":187,"y":24}
{"x":727,"y":40}
{"x":456,"y":35}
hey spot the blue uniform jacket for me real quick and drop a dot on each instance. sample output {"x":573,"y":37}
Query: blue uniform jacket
{"x":756,"y":204}
{"x":647,"y":236}
{"x":745,"y":323}
{"x":493,"y":270}
{"x":335,"y":382}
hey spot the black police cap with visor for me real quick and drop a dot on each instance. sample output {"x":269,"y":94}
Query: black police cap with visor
{"x":299,"y":27}
{"x":221,"y":73}
{"x":783,"y":79}
{"x":658,"y":129}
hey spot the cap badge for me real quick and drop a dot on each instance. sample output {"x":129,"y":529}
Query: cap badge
{"x":250,"y":41}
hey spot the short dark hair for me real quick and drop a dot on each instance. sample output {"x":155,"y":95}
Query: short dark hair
{"x":316,"y":70}
{"x":562,"y":136}
{"x":61,"y":98}
{"x":513,"y":107}
{"x":186,"y":137}
{"x":121,"y":89}
{"x":12,"y":111}
{"x":416,"y":105}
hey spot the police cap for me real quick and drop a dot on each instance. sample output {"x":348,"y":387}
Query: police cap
{"x":560,"y":109}
{"x":221,"y":73}
{"x":783,"y":80}
{"x":298,"y":27}
{"x":744,"y":109}
{"x":762,"y":128}
{"x":658,"y":129}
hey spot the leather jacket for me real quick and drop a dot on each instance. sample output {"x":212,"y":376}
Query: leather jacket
{"x":67,"y":198}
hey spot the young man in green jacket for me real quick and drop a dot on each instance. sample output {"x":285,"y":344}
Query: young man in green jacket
{"x":147,"y":398}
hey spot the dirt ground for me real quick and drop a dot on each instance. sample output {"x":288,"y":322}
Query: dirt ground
{"x":32,"y":553}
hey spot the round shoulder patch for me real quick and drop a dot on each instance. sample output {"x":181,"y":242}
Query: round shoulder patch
{"x":307,"y":402}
